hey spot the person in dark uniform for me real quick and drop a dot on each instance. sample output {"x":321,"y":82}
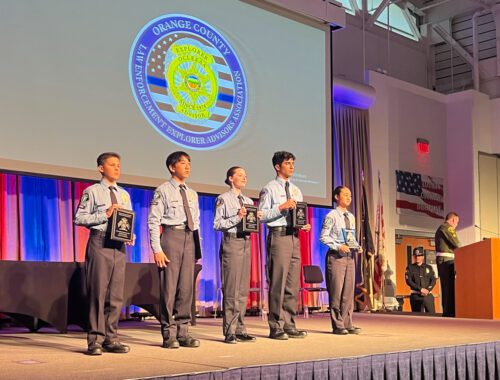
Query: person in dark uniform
{"x":446,"y":241}
{"x":104,"y":258}
{"x":175,"y":209}
{"x":339,"y":234}
{"x":235,"y":255}
{"x":421,"y":279}
{"x":277,"y":200}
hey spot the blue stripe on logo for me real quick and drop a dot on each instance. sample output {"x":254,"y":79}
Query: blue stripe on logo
{"x":157,"y":81}
{"x":226,"y":98}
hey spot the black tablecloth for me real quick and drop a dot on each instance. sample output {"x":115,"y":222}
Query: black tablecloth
{"x":54,"y":292}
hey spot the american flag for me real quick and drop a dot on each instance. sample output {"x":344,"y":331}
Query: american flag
{"x":419,"y":195}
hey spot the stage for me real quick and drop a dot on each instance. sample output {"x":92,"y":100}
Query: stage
{"x":384,"y":348}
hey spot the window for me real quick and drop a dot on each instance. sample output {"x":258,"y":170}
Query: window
{"x":401,"y":21}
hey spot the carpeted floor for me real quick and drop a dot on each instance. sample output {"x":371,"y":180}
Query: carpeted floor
{"x":50,"y":355}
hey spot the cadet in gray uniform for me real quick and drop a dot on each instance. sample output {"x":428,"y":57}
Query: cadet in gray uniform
{"x":339,"y":234}
{"x":277,"y":199}
{"x":175,"y":208}
{"x":105,"y":258}
{"x":235,"y":255}
{"x":446,"y":241}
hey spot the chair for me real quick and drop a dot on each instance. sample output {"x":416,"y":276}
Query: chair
{"x":312,"y":276}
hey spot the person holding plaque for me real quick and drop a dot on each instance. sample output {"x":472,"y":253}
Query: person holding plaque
{"x":339,"y":234}
{"x":278,"y":199}
{"x":173,"y":222}
{"x":235,"y":254}
{"x":104,"y":258}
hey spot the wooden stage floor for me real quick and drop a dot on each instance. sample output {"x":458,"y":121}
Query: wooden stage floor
{"x":50,"y":355}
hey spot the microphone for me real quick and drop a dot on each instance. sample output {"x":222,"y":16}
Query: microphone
{"x":488,"y":231}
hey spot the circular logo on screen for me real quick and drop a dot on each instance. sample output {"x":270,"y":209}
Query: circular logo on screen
{"x":188,"y":81}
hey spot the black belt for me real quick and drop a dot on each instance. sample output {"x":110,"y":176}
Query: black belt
{"x":95,"y":232}
{"x":283,"y":230}
{"x":237,"y":235}
{"x":335,"y":252}
{"x":182,"y":227}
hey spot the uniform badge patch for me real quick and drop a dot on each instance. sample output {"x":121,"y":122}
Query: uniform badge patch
{"x":84,"y":200}
{"x":220,"y":202}
{"x":327,"y":223}
{"x":156,"y":198}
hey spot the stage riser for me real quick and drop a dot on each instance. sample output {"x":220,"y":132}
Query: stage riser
{"x":474,"y":361}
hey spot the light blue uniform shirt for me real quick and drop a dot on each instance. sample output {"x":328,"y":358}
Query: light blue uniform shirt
{"x":95,"y":200}
{"x":271,"y":197}
{"x":334,"y":233}
{"x":167,"y":208}
{"x":226,"y":211}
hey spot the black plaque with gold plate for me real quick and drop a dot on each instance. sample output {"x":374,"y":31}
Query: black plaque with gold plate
{"x":250,"y":220}
{"x":122,"y":225}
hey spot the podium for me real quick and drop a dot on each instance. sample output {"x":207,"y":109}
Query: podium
{"x":477,"y":282}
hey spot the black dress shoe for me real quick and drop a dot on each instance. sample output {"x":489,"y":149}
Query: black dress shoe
{"x":296,"y":333}
{"x":231,"y":339}
{"x":340,"y":331}
{"x":245,"y":338}
{"x":354,"y":330}
{"x":170,"y":343}
{"x":278,"y":335}
{"x":189,"y":342}
{"x":94,"y":350}
{"x":115,"y":347}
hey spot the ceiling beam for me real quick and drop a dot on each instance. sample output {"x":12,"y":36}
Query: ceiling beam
{"x":377,"y":13}
{"x":410,"y":19}
{"x":486,"y":4}
{"x":447,"y":37}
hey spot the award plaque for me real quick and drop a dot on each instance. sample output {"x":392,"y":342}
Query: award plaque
{"x":350,"y":239}
{"x":299,"y":215}
{"x":197,"y":244}
{"x":122,"y":225}
{"x":250,"y":220}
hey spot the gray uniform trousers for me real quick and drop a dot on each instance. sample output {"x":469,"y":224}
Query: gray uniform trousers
{"x":235,"y":259}
{"x":176,"y":282}
{"x":105,"y":261}
{"x":283,"y":277}
{"x":340,"y":278}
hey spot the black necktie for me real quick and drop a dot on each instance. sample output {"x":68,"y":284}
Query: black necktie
{"x":347,"y":221}
{"x":187,"y":211}
{"x":114,"y":200}
{"x":287,"y":190}
{"x":289,"y":221}
{"x":240,"y":199}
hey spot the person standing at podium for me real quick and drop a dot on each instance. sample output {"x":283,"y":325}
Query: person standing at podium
{"x":446,"y":241}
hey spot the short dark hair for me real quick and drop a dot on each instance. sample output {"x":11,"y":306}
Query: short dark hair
{"x":173,"y":158}
{"x":450,"y":215}
{"x":417,"y":252}
{"x":281,"y":156}
{"x":104,"y":156}
{"x":337,"y":191}
{"x":230,"y":172}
